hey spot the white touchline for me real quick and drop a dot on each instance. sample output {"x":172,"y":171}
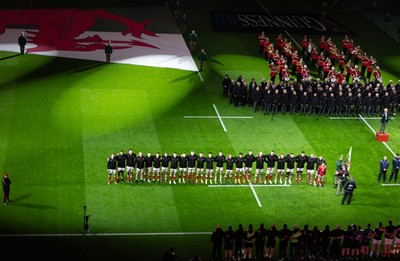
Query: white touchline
{"x":109,"y":234}
{"x":215,"y":117}
{"x":355,"y":118}
{"x":201,"y":78}
{"x":244,"y":186}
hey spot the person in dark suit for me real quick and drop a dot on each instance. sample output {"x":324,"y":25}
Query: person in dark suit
{"x":384,"y":120}
{"x":108,"y":51}
{"x":22,"y":43}
{"x":6,"y":182}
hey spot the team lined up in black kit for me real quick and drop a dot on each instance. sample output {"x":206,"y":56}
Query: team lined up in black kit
{"x":195,"y":168}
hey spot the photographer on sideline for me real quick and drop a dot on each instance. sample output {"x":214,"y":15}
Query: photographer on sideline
{"x":348,"y":188}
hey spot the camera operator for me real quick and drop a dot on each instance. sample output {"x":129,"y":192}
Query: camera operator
{"x":343,"y":176}
{"x":170,"y":255}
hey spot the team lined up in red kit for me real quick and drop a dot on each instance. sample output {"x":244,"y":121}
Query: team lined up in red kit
{"x":324,"y":56}
{"x":195,"y":168}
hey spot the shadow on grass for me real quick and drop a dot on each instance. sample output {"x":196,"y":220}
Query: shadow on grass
{"x":9,"y":57}
{"x":86,"y":68}
{"x":216,"y":61}
{"x":187,"y":76}
{"x":17,"y":202}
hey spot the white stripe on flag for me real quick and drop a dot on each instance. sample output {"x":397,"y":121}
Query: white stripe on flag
{"x":172,"y":50}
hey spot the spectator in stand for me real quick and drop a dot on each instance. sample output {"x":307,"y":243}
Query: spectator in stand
{"x":347,"y":242}
{"x":337,"y":236}
{"x":229,"y":237}
{"x":217,"y":239}
{"x":294,"y":252}
{"x":396,"y":245}
{"x":239,"y":239}
{"x":272,"y":234}
{"x":326,"y":236}
{"x":260,"y":237}
{"x":366,"y":240}
{"x":377,"y":240}
{"x":249,"y":242}
{"x":284,"y":236}
{"x":356,"y":246}
{"x":389,"y":235}
{"x":315,"y":243}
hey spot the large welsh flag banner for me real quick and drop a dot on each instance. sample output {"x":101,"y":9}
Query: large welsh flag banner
{"x":143,"y":36}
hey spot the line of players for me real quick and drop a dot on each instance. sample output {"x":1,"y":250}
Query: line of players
{"x":194,"y":168}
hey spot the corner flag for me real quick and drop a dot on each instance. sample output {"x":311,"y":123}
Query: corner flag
{"x":348,"y":159}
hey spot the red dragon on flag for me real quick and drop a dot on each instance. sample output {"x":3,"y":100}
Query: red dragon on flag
{"x":60,"y":29}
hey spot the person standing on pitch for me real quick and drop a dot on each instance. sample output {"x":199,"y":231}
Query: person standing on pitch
{"x":6,"y":182}
{"x":202,"y":59}
{"x":348,"y":188}
{"x":108,"y":51}
{"x":385,"y":119}
{"x":192,"y":41}
{"x":217,"y":239}
{"x":339,"y":165}
{"x":395,"y":168}
{"x":383,"y":167}
{"x":112,"y":168}
{"x":22,"y":43}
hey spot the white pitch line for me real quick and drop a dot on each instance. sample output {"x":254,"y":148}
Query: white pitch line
{"x":215,"y":117}
{"x":245,"y":186}
{"x":219,"y":117}
{"x":201,"y":78}
{"x":390,"y":185}
{"x":108,"y":234}
{"x":369,"y":126}
{"x":355,"y":118}
{"x":255,"y":195}
{"x":344,"y":118}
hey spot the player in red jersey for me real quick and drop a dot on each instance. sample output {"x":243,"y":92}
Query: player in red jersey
{"x":321,"y":172}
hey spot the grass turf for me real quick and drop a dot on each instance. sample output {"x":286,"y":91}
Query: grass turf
{"x":61,"y":118}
